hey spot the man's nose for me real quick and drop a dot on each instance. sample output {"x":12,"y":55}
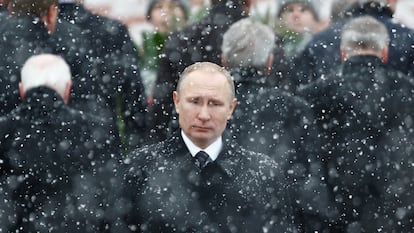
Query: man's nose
{"x":204,"y":113}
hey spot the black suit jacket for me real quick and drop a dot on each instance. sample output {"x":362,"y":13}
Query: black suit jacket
{"x":241,"y":191}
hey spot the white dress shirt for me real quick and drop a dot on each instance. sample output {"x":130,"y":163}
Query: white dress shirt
{"x":212,"y":150}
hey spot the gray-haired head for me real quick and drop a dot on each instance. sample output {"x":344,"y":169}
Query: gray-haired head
{"x":46,"y":70}
{"x":364,"y":35}
{"x":248,"y":43}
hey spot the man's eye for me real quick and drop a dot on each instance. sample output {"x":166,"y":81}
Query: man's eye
{"x":213,"y":103}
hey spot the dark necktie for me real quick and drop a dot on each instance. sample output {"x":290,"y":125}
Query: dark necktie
{"x":202,"y":159}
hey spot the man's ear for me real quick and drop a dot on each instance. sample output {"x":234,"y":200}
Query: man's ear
{"x":176,"y":99}
{"x":232,"y":107}
{"x":384,"y":54}
{"x":21,"y":91}
{"x":66,"y":94}
{"x":50,"y":19}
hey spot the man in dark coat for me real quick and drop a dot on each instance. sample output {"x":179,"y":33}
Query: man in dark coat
{"x":270,"y":120}
{"x":321,"y":57}
{"x":49,"y":153}
{"x":200,"y":180}
{"x":33,"y":29}
{"x":194,"y":43}
{"x":117,"y":78}
{"x":359,"y":111}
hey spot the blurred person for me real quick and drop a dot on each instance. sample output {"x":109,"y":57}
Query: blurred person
{"x":164,"y":16}
{"x":196,"y":179}
{"x":272,"y":121}
{"x":321,"y":56}
{"x":48,"y":151}
{"x":364,"y":115}
{"x":33,"y":29}
{"x":116,"y":80}
{"x":297,"y":20}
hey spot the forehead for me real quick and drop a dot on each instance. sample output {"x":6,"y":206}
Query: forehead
{"x":205,"y":81}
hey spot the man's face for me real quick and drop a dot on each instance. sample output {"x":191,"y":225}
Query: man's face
{"x":299,"y":18}
{"x":204,"y":104}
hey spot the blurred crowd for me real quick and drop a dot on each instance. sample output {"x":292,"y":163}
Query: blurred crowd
{"x":326,"y":96}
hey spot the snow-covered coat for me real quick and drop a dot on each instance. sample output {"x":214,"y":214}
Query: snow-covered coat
{"x":365,"y":119}
{"x":241,"y":191}
{"x":116,"y":76}
{"x":54,"y":160}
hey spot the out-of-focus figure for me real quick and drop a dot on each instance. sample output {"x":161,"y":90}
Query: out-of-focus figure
{"x":297,"y":21}
{"x":164,"y":17}
{"x":32,"y":28}
{"x":365,"y":117}
{"x":53,"y":158}
{"x":115,"y":80}
{"x":272,"y":121}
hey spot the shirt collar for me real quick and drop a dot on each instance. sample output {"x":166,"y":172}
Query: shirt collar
{"x":212,"y":150}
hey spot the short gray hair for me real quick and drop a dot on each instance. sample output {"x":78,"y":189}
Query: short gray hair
{"x":45,"y":70}
{"x":248,"y":43}
{"x":364,"y":33}
{"x":207,"y":67}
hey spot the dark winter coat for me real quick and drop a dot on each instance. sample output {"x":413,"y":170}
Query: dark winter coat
{"x":55,"y":167}
{"x":359,"y":111}
{"x":322,"y":55}
{"x":116,"y":78}
{"x":272,"y":121}
{"x":241,"y":191}
{"x":23,"y":37}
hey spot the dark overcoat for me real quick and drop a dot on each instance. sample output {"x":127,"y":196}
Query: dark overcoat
{"x":55,"y":167}
{"x":364,"y":115}
{"x":116,"y":73}
{"x":24,"y":36}
{"x":272,"y":121}
{"x":241,"y":191}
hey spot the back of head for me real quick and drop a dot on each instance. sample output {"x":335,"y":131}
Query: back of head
{"x":46,"y":70}
{"x":34,"y":8}
{"x":248,"y":43}
{"x":364,"y":35}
